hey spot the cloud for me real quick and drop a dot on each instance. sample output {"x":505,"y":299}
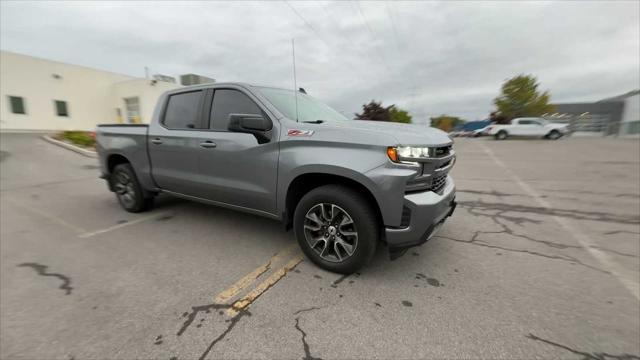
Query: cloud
{"x":430,"y":57}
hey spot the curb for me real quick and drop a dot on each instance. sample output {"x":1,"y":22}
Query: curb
{"x":79,"y":150}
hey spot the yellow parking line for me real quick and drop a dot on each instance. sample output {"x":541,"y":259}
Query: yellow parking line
{"x":251,"y":277}
{"x":246,"y":300}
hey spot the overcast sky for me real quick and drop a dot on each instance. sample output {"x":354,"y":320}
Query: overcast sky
{"x":428,"y":57}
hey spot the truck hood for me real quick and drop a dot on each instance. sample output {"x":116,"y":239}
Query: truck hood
{"x":403,"y":134}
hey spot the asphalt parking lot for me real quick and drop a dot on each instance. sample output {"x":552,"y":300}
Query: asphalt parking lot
{"x":540,"y":260}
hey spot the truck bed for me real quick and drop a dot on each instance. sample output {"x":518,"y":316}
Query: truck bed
{"x":128,"y":140}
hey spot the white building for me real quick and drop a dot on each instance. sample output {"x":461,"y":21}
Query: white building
{"x":42,"y":95}
{"x":630,"y":122}
{"x":614,"y":116}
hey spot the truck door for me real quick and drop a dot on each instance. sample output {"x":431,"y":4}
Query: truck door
{"x":525,"y":127}
{"x":537,"y":128}
{"x":237,"y":170}
{"x":174,"y":142}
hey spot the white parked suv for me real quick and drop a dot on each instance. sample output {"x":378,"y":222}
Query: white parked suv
{"x":534,"y":127}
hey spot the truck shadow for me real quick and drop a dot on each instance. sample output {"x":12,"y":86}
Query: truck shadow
{"x":257,"y":228}
{"x":225,"y":225}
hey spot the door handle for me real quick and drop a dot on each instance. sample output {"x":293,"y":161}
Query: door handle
{"x":208,"y":144}
{"x":157,"y":141}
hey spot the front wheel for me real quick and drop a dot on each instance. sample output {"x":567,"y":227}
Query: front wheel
{"x":501,"y":135}
{"x":337,"y":228}
{"x":554,"y":135}
{"x":128,"y":189}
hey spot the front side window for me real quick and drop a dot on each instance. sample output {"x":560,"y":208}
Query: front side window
{"x":17,"y":105}
{"x":525,"y":122}
{"x":227,"y":101}
{"x":61,"y":108}
{"x":182,"y":111}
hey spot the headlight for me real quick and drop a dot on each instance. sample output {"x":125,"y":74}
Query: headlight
{"x":412,"y":152}
{"x":408,"y":153}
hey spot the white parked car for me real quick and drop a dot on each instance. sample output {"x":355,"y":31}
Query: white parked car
{"x":480,"y":132}
{"x":533,"y":127}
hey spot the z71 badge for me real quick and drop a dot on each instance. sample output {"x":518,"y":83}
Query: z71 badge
{"x":297,"y":132}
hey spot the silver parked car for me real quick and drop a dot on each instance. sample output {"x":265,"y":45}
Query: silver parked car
{"x":344,"y":186}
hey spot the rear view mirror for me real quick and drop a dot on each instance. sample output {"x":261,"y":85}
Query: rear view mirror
{"x":255,"y":124}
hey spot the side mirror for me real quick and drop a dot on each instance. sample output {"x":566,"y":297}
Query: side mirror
{"x":254,"y":124}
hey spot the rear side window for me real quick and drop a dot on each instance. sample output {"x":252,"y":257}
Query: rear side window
{"x":225,"y":102}
{"x":182,"y":111}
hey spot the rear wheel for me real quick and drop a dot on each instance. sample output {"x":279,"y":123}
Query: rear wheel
{"x":554,"y":135}
{"x":501,"y":135}
{"x":336,"y":228}
{"x":128,"y":189}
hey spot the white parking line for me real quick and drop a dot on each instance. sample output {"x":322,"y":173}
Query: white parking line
{"x":46,"y":215}
{"x":119,"y":226}
{"x":624,"y":276}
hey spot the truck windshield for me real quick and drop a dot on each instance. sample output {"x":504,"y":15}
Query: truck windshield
{"x":309,"y":109}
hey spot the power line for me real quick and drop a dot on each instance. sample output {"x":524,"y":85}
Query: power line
{"x":307,"y":23}
{"x":373,"y":36}
{"x":393,"y":25}
{"x":353,"y":44}
{"x":317,"y":33}
{"x":335,"y":23}
{"x":398,"y":43}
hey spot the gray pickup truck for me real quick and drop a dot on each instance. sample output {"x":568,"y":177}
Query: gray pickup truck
{"x":344,"y":186}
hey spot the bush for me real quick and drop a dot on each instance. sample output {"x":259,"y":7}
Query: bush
{"x":81,"y":138}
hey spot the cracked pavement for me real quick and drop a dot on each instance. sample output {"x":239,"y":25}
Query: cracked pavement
{"x":501,"y":280}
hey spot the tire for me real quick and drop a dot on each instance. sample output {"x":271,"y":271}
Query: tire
{"x":554,"y":135}
{"x":501,"y":135}
{"x":350,"y":213}
{"x":128,"y":190}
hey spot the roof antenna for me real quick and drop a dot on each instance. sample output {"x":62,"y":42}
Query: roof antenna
{"x":295,"y":82}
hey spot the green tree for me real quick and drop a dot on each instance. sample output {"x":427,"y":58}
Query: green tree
{"x":446,"y":122}
{"x":498,"y":118}
{"x":520,"y":97}
{"x":398,"y":115}
{"x":374,"y":111}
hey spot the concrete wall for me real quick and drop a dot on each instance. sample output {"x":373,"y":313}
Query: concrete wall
{"x":146,"y":91}
{"x":630,"y":124}
{"x":88,"y":94}
{"x":92,"y":95}
{"x":631,"y":109}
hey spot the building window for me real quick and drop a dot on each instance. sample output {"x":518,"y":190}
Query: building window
{"x":61,"y":108}
{"x":17,"y":105}
{"x":132,"y":106}
{"x":632,"y":128}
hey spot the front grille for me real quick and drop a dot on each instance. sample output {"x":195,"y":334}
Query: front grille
{"x":432,"y":175}
{"x":443,"y":165}
{"x":442,"y":151}
{"x":438,"y":183}
{"x":422,"y":184}
{"x":406,"y":217}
